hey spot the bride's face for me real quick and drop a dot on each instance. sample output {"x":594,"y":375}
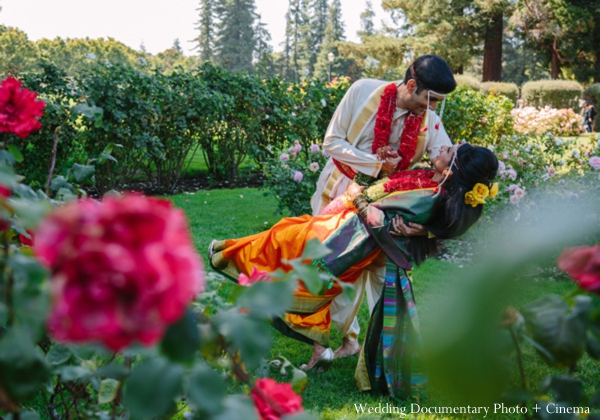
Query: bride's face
{"x":444,"y":159}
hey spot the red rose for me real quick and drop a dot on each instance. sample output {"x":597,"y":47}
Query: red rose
{"x":19,"y":110}
{"x":274,"y":400}
{"x":122,"y":270}
{"x":5,"y":191}
{"x":25,"y":240}
{"x":583,"y":265}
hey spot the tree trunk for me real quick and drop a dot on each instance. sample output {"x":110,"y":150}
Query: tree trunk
{"x":492,"y":51}
{"x":555,"y":65}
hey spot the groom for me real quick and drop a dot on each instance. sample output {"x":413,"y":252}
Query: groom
{"x":375,"y":130}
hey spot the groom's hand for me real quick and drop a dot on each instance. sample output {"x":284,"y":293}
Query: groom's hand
{"x":407,"y":229}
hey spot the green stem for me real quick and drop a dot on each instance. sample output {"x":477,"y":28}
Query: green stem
{"x":9,"y":282}
{"x":519,"y":358}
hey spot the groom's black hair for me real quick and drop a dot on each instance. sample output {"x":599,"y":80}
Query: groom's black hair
{"x":431,"y":72}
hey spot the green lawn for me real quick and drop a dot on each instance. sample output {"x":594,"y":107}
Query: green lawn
{"x":333,"y":395}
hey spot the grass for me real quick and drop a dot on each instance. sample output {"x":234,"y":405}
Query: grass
{"x":332,"y":395}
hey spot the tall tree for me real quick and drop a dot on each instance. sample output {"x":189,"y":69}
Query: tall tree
{"x":263,"y":53}
{"x":292,"y":51}
{"x":334,"y":34}
{"x":367,"y":28}
{"x":205,"y":39}
{"x":522,"y":62}
{"x":235,"y":42}
{"x":177,"y":46}
{"x":555,"y":26}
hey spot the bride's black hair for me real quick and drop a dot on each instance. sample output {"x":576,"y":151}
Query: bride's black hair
{"x":451,"y":216}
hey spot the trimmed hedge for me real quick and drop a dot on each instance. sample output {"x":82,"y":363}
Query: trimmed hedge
{"x":469,"y":81}
{"x":557,"y":94}
{"x":510,"y":90}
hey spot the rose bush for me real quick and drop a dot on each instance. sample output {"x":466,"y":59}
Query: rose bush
{"x":533,"y":121}
{"x":122,"y":271}
{"x":118,"y":272}
{"x":292,"y":174}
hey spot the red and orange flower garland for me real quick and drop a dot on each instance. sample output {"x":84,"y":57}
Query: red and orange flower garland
{"x":383,"y":127}
{"x":410,"y":180}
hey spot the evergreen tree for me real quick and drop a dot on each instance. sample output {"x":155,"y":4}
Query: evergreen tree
{"x":263,"y":53}
{"x":367,"y":28}
{"x":177,"y":46}
{"x":334,"y":33}
{"x":235,"y":38}
{"x":291,"y":49}
{"x":205,"y":40}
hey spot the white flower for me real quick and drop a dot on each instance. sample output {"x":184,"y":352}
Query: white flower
{"x":323,"y":102}
{"x":142,"y":61}
{"x":305,"y":72}
{"x":491,"y":147}
{"x":576,"y":154}
{"x":558,"y":141}
{"x":90,"y":56}
{"x":561,"y":162}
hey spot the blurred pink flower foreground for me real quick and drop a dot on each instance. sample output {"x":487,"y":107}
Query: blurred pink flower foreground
{"x":122,"y":270}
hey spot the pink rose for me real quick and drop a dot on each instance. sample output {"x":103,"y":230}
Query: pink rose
{"x":254,"y":277}
{"x":314,"y":148}
{"x":595,"y":162}
{"x":284,"y":157}
{"x":122,"y":270}
{"x":273,"y":400}
{"x":19,"y":110}
{"x":314,"y":167}
{"x":298,"y":176}
{"x":583,"y":265}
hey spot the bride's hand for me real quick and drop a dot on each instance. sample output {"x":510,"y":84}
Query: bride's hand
{"x":354,"y":189}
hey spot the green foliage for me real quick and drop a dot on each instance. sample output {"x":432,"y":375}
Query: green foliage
{"x":18,"y":53}
{"x":510,"y":90}
{"x":591,"y":94}
{"x":467,"y":80}
{"x":554,"y":93}
{"x":477,"y":118}
{"x":239,"y":103}
{"x":62,"y":122}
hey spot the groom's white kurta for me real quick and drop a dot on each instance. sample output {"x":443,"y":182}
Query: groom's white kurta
{"x":347,"y":118}
{"x":349,"y":139}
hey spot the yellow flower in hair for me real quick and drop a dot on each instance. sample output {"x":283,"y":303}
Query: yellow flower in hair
{"x":480,"y":191}
{"x":494,"y":190}
{"x":477,"y":195}
{"x":470,"y":199}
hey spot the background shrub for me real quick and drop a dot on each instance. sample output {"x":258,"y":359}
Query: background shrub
{"x":467,"y":80}
{"x":553,"y":93}
{"x":510,"y":90}
{"x":533,"y":121}
{"x":60,"y":119}
{"x":476,"y":117}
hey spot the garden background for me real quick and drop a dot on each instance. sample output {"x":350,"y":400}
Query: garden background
{"x":235,"y":151}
